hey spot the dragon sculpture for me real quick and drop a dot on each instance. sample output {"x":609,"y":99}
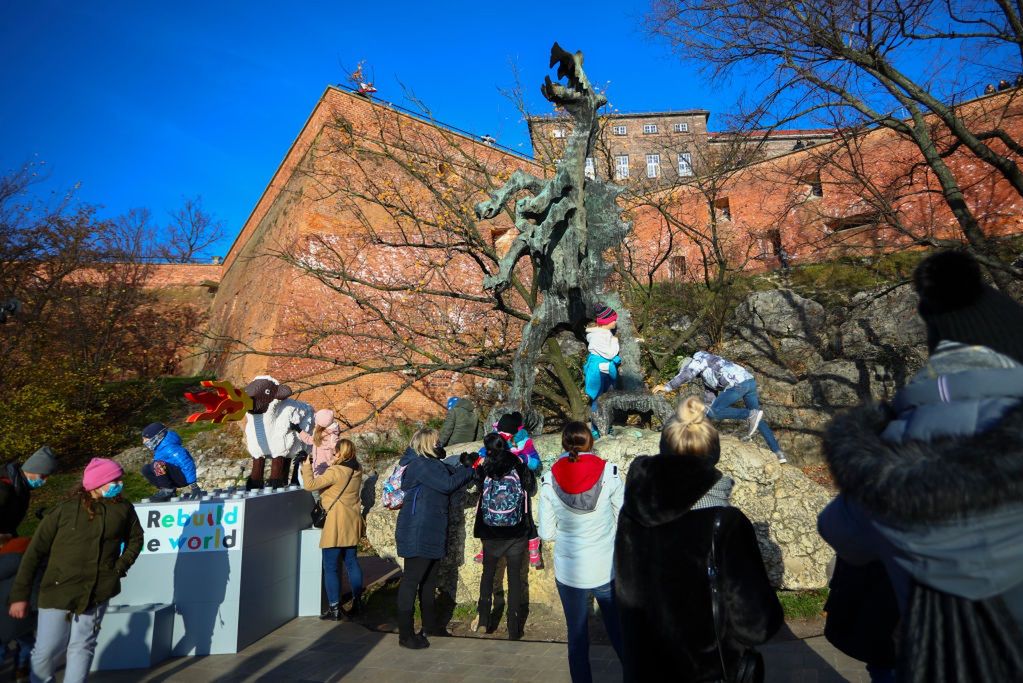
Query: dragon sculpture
{"x":565,"y":226}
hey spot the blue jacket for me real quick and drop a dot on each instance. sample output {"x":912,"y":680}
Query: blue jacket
{"x":934,"y":492}
{"x":422,"y":529}
{"x":170,"y":451}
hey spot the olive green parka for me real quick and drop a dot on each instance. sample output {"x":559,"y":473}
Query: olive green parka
{"x":86,"y":560}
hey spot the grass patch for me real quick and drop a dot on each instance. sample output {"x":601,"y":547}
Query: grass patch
{"x":187,"y":430}
{"x":808,"y":604}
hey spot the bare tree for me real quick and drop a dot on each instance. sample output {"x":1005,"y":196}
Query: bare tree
{"x":858,"y":56}
{"x":191,"y":232}
{"x":400,"y":274}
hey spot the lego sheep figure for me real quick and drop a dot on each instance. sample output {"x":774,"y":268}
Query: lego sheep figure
{"x":272,"y":426}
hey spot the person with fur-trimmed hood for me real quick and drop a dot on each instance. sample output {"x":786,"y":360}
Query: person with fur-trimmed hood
{"x":272,"y":427}
{"x":675,"y":504}
{"x":932,"y":485}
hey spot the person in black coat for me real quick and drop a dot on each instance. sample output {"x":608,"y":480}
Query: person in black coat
{"x":501,"y":466}
{"x":421,"y":533}
{"x":673,"y":502}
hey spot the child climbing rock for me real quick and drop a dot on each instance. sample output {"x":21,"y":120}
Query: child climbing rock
{"x":601,"y":368}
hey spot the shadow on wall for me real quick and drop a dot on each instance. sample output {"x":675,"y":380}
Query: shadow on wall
{"x":133,"y":639}
{"x":207,"y":571}
{"x":368,"y":494}
{"x":771,"y":552}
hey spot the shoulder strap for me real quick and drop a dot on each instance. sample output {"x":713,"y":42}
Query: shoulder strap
{"x":342,"y":492}
{"x":714,"y":579}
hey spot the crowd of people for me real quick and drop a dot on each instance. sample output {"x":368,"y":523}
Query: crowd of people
{"x":926,"y":525}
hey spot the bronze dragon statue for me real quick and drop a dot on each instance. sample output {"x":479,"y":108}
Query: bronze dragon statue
{"x":566,"y":226}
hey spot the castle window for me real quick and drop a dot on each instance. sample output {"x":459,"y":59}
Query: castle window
{"x":681,"y":127}
{"x":685,"y":164}
{"x":559,"y":132}
{"x":677,"y":268}
{"x":867,"y":219}
{"x":813,"y":183}
{"x":619,"y":130}
{"x":653,"y":165}
{"x":649,"y":128}
{"x":622,"y":166}
{"x":722,"y":209}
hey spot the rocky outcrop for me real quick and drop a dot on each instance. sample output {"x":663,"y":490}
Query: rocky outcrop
{"x":781,"y":502}
{"x":810,"y":362}
{"x":220,"y":459}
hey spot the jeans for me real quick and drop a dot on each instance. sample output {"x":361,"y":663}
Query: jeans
{"x":576,"y":603}
{"x":721,"y":408}
{"x":58,"y":637}
{"x":331,"y":576}
{"x":174,"y":479}
{"x":515,"y":556}
{"x":420,"y":577}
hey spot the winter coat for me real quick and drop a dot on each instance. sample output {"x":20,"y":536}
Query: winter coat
{"x":937,"y":498}
{"x":717,"y":373}
{"x":170,"y":451}
{"x":461,"y":425}
{"x":422,"y":528}
{"x":579,"y":503}
{"x":14,"y":498}
{"x":495,"y":467}
{"x":323,"y":454}
{"x":85,"y":557}
{"x":280,"y":425}
{"x":662,"y":589}
{"x":344,"y":526}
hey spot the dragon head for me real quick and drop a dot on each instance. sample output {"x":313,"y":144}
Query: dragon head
{"x":577,"y":97}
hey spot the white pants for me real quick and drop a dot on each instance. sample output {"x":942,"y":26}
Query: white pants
{"x":61,"y":634}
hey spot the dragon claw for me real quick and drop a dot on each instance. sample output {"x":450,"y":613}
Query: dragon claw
{"x":224,"y":404}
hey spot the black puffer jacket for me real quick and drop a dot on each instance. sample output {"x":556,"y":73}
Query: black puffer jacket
{"x":496,"y":466}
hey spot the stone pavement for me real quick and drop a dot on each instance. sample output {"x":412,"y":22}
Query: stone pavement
{"x":312,"y":650}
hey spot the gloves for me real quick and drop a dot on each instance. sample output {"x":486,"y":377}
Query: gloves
{"x":468,"y":459}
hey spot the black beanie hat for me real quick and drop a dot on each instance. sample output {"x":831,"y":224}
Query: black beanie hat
{"x":956,"y":305}
{"x":510,"y":422}
{"x":152,"y":429}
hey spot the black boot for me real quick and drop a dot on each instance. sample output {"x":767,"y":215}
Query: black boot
{"x":332,"y":613}
{"x":514,"y":626}
{"x":358,"y":608}
{"x":407,"y":636}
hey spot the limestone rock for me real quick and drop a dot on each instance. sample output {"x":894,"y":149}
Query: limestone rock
{"x":781,"y":320}
{"x":781,"y":502}
{"x":885,"y":327}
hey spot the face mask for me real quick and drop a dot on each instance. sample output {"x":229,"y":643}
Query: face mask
{"x":35,"y":483}
{"x":113,"y":490}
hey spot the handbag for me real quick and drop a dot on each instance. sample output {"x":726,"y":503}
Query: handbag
{"x":319,"y":515}
{"x":750,"y":668}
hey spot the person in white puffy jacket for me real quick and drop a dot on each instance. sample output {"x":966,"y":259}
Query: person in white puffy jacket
{"x":272,"y":429}
{"x":579,"y":502}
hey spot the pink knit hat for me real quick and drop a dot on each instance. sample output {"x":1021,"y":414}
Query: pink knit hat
{"x":324,"y":418}
{"x":100,"y":472}
{"x":604,"y":314}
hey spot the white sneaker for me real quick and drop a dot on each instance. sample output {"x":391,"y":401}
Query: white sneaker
{"x":754,"y":421}
{"x":781,"y":458}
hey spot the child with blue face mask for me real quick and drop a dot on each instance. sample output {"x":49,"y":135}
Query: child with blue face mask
{"x":87,"y":544}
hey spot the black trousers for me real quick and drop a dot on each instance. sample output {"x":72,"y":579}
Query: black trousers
{"x":419,"y":578}
{"x":174,"y":479}
{"x":515,"y":551}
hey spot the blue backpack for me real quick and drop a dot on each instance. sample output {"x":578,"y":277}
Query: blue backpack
{"x":503,"y":501}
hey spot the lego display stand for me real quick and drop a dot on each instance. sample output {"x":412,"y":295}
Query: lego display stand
{"x":231,"y":564}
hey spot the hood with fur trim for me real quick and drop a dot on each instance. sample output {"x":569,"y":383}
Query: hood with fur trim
{"x":924,"y":482}
{"x":662,"y":488}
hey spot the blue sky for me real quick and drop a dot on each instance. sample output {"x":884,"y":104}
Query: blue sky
{"x":146,"y":103}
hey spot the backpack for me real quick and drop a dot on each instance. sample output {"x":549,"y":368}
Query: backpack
{"x":392,"y":496}
{"x":502,"y":500}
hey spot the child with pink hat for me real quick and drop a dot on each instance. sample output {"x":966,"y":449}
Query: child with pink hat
{"x":86,"y":543}
{"x":601,"y":368}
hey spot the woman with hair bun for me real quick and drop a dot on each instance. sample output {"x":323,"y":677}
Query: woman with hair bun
{"x":579,"y":502}
{"x":676,"y":510}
